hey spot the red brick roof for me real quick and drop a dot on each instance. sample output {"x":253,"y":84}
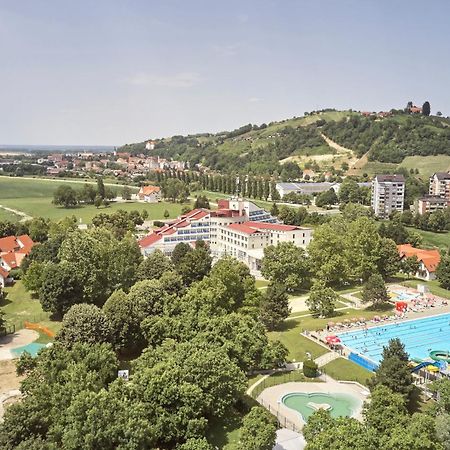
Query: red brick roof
{"x":429,"y":258}
{"x":148,"y":190}
{"x":3,"y":273}
{"x":10,"y":259}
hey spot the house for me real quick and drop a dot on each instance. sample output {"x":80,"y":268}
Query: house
{"x":428,"y":259}
{"x":12,"y":252}
{"x":150,"y":145}
{"x":440,"y":185}
{"x":150,"y":194}
{"x":431,"y":203}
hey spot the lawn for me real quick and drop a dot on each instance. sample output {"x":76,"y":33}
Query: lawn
{"x":34,"y":197}
{"x":345,"y":370}
{"x":19,"y":306}
{"x":298,"y":345}
{"x":433,"y":286}
{"x":261,"y":284}
{"x":431,"y":239}
{"x":427,"y":165}
{"x":7,"y":215}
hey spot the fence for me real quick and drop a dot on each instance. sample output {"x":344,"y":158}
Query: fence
{"x":363,"y":362}
{"x":282,"y":420}
{"x":36,"y":326}
{"x":7,"y":329}
{"x":278,"y":378}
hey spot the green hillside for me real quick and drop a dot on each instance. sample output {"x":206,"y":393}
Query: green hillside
{"x":324,"y":140}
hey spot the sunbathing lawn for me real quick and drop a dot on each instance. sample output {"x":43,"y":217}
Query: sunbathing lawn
{"x":19,"y":306}
{"x":433,"y":286}
{"x":345,"y":370}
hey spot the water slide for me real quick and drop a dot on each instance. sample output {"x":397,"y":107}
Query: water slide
{"x":425,"y":364}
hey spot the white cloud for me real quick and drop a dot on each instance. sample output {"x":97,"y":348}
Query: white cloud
{"x":179,"y":80}
{"x":226,"y":50}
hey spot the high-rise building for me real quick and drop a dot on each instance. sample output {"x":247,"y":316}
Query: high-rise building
{"x":388,"y":194}
{"x":440,"y":185}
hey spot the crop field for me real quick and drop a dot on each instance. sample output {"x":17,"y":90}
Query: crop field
{"x":427,"y":165}
{"x":34,"y":197}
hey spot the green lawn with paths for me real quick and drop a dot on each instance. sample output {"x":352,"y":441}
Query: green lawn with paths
{"x":431,"y":239}
{"x":345,"y":370}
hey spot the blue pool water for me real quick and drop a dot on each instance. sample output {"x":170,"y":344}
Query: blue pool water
{"x":32,"y":349}
{"x":420,"y":336}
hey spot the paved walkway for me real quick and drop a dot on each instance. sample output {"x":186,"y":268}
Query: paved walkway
{"x":289,"y":440}
{"x":325,"y":359}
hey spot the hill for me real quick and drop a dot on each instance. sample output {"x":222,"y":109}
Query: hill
{"x":323,"y":140}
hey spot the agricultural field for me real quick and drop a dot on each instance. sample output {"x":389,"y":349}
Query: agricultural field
{"x":427,"y":165}
{"x":34,"y":197}
{"x":431,"y":239}
{"x":8,"y":215}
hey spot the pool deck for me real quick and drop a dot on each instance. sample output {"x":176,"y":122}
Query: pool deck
{"x":271,"y":397}
{"x":17,"y":339}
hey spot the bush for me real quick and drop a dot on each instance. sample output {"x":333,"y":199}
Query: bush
{"x":310,"y":368}
{"x":16,"y":274}
{"x":158,"y":223}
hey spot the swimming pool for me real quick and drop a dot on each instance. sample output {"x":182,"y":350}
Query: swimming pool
{"x":339,"y":405}
{"x":32,"y":349}
{"x":420,"y":336}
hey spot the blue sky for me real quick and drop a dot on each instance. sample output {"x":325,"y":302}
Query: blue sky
{"x":111,"y":72}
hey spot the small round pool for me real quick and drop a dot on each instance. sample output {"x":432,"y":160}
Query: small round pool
{"x":339,"y":405}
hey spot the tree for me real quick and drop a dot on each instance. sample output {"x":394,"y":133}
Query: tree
{"x":326,"y":198}
{"x":393,"y":370}
{"x":291,"y":171}
{"x":426,"y":109}
{"x":374,"y":291}
{"x":154,"y":265}
{"x":389,"y":262}
{"x":98,"y":201}
{"x":101,"y":192}
{"x":286,"y":264}
{"x":258,"y":431}
{"x":443,"y":271}
{"x":195,"y":264}
{"x":201,"y":201}
{"x":62,"y":288}
{"x":86,"y":324}
{"x":2,"y":314}
{"x":126,"y":193}
{"x":274,"y":307}
{"x":310,"y":368}
{"x":166,"y":214}
{"x":322,"y":299}
{"x":318,"y":422}
{"x":410,"y":265}
{"x":179,"y":252}
{"x":65,"y":195}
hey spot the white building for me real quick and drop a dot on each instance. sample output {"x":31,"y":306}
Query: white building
{"x":440,"y":185}
{"x":388,"y":194}
{"x":150,"y":145}
{"x":238,"y":228}
{"x":247,"y":241}
{"x":150,"y":194}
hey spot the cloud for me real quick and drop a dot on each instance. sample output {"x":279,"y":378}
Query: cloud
{"x":226,"y":50}
{"x":179,"y":80}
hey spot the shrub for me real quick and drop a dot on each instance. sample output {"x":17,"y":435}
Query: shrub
{"x":310,"y":368}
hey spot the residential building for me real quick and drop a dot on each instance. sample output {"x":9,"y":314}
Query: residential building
{"x":388,"y":194}
{"x":440,"y":185}
{"x":428,"y":259}
{"x":150,"y":145}
{"x":310,"y":188}
{"x":238,"y":228}
{"x":12,"y":252}
{"x":431,"y":203}
{"x":150,"y":194}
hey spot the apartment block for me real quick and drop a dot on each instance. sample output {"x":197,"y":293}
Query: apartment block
{"x":388,"y":195}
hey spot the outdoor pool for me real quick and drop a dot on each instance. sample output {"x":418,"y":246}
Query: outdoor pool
{"x":32,"y":349}
{"x":339,"y":405}
{"x":420,"y":337}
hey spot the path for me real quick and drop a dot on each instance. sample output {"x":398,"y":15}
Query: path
{"x":289,"y":440}
{"x":335,"y":145}
{"x":24,"y":216}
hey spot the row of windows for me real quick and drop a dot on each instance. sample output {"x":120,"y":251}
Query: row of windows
{"x":202,"y":237}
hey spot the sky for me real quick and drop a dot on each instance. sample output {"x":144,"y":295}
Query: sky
{"x":109,"y":72}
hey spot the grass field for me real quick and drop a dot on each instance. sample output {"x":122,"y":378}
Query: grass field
{"x":345,"y":370}
{"x":431,"y":239}
{"x":7,"y":215}
{"x":427,"y":165}
{"x":34,"y":197}
{"x":19,"y":306}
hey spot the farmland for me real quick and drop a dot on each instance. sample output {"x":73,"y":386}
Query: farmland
{"x":34,"y":197}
